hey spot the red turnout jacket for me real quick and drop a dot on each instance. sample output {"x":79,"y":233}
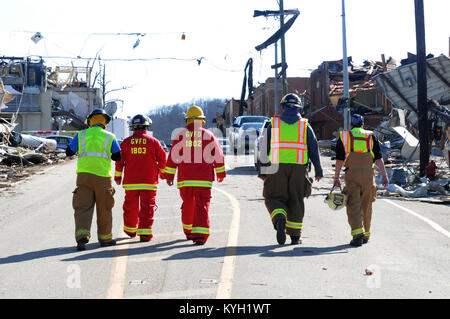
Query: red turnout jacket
{"x":197,"y":155}
{"x":143,"y":159}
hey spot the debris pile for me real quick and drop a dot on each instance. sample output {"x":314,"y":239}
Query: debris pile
{"x":22,"y":155}
{"x":406,"y":183}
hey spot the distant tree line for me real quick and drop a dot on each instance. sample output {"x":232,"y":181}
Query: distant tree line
{"x":167,"y":118}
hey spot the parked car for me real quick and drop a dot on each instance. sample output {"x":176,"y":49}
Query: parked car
{"x":62,"y":141}
{"x":224,"y":144}
{"x":258,"y":147}
{"x":247,"y":136}
{"x":164,"y":146}
{"x":238,"y":122}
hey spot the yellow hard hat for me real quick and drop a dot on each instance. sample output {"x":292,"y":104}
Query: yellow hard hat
{"x":336,"y":200}
{"x":195,"y":112}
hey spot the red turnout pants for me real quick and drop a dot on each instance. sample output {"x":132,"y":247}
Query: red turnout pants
{"x":138,"y":211}
{"x":194,"y":212}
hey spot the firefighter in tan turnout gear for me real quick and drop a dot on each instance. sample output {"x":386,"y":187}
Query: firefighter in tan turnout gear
{"x":96,"y":147}
{"x":291,"y":143}
{"x":357,"y":150}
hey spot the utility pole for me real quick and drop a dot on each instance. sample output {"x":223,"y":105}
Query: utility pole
{"x":279,"y":35}
{"x":103,"y":87}
{"x":422,"y":86}
{"x":276,"y":99}
{"x":347,"y":112}
{"x":283,"y":49}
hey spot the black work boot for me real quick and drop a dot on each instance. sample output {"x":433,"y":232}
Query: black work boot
{"x":357,"y":241}
{"x":281,"y":231}
{"x":199,"y":241}
{"x":81,"y":244}
{"x":295,"y":240}
{"x":109,"y":243}
{"x":145,"y":238}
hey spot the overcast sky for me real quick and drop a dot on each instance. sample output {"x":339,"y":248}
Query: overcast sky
{"x":223,"y":33}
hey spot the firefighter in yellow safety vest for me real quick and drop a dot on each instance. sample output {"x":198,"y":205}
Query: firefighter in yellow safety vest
{"x":357,"y":150}
{"x":96,"y":147}
{"x":291,"y":144}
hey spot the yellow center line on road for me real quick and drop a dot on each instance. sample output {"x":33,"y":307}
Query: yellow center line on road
{"x":118,"y":271}
{"x":434,"y":225}
{"x":226,"y":278}
{"x":120,"y":262}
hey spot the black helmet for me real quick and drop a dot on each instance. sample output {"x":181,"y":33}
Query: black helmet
{"x":291,"y":100}
{"x":357,"y":120}
{"x":99,"y":111}
{"x":140,"y":121}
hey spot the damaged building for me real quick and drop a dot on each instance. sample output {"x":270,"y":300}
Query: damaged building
{"x":36,"y":98}
{"x":322,"y":94}
{"x":46,"y":99}
{"x":325,"y":100}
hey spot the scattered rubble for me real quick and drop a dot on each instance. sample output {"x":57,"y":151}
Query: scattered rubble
{"x":23,"y":155}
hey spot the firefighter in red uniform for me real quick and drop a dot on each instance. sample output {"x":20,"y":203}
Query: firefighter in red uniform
{"x":196,"y":154}
{"x":143,"y":160}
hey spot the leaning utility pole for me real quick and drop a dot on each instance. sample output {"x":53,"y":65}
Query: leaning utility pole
{"x":347,"y":112}
{"x":279,"y":35}
{"x":422,"y":87}
{"x":283,"y":49}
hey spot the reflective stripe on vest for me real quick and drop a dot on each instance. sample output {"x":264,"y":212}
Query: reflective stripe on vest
{"x":94,"y":149}
{"x":357,"y":140}
{"x":288,"y":142}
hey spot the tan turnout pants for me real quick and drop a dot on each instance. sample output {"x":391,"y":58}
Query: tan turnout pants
{"x":93,"y":190}
{"x":361,"y":190}
{"x":283,"y":194}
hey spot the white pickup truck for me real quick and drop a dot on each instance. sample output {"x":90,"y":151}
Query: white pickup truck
{"x":234,"y":130}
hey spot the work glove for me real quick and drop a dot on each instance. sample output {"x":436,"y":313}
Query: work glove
{"x":118,"y":180}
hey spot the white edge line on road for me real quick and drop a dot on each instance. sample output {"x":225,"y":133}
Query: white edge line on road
{"x":434,"y":225}
{"x":226,"y":277}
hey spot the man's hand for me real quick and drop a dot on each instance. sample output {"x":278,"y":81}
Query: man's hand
{"x":385,"y":180}
{"x":219,"y":179}
{"x":169,"y":182}
{"x":336,"y":181}
{"x":118,"y":180}
{"x":318,"y":178}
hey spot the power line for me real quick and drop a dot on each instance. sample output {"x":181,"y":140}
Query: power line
{"x":198,"y":60}
{"x":113,"y":59}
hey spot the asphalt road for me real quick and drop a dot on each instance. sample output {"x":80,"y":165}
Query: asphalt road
{"x":409,"y":249}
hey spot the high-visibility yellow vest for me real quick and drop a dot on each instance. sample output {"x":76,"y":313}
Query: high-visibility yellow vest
{"x":288,"y":141}
{"x":357,"y":140}
{"x":94,"y":151}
